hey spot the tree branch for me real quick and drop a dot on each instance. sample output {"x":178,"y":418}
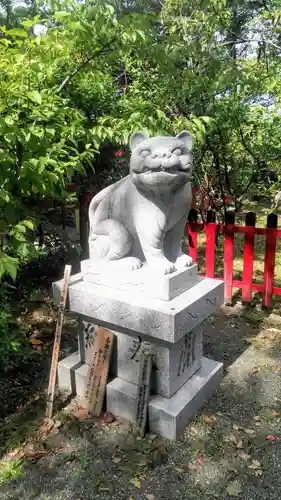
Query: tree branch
{"x":82,"y":65}
{"x":244,"y":142}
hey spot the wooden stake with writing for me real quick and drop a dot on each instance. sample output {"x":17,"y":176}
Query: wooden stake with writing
{"x":98,"y":371}
{"x":56,"y":347}
{"x":143,"y":387}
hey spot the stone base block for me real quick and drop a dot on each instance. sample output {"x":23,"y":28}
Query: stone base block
{"x":66,"y":373}
{"x":57,"y":287}
{"x":167,"y":417}
{"x":143,"y":280}
{"x":134,"y":313}
{"x":80,"y":380}
{"x":172,"y":364}
{"x":86,"y":338}
{"x":72,"y":374}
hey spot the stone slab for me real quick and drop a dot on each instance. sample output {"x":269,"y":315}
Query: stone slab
{"x":80,"y":380}
{"x":66,"y":373}
{"x":135,"y":313}
{"x":72,"y":372}
{"x":57,"y":286}
{"x":172,"y":364}
{"x":167,"y":417}
{"x":143,"y":280}
{"x":86,"y":338}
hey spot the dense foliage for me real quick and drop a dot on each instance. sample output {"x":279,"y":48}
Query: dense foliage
{"x":78,"y":78}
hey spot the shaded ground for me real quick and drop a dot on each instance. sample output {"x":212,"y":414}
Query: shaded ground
{"x":28,"y":378}
{"x":226,"y":451}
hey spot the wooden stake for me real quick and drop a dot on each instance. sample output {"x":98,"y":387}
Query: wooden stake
{"x":56,"y":347}
{"x":143,"y":387}
{"x":98,"y":371}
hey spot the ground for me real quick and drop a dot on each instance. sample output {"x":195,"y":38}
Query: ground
{"x":230,"y":449}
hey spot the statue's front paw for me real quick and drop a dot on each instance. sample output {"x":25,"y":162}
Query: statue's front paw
{"x":126,"y":264}
{"x":134,"y":263}
{"x":183,"y":261}
{"x":164,"y":266}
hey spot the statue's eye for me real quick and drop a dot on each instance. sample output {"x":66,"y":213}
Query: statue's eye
{"x":144,"y":153}
{"x":177,"y":152}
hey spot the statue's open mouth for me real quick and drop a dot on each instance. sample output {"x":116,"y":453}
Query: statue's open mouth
{"x":166,"y":170}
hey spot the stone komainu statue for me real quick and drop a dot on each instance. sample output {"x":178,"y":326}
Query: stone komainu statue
{"x":141,"y":218}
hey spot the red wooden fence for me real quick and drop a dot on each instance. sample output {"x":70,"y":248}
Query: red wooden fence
{"x":271,"y":233}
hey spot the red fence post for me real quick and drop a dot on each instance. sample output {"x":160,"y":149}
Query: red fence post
{"x":228,"y":255}
{"x":269,"y":259}
{"x":192,"y":235}
{"x":248,"y":259}
{"x":211,"y":228}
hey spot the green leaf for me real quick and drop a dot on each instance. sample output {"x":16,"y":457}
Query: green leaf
{"x":19,"y":236}
{"x":17,"y":32}
{"x":50,"y":131}
{"x":76,"y":26}
{"x":207,"y":119}
{"x":198,"y":124}
{"x":20,"y":228}
{"x":23,"y":250}
{"x":35,"y":96}
{"x":4,"y":195}
{"x":11,"y":266}
{"x":2,"y":267}
{"x":28,"y":223}
{"x":61,"y":15}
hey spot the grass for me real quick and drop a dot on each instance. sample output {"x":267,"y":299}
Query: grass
{"x":11,"y":469}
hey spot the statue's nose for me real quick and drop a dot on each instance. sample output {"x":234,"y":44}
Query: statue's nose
{"x":161,"y":154}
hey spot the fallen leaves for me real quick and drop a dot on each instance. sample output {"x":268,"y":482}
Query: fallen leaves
{"x":17,"y":453}
{"x":20,"y":409}
{"x":35,"y":341}
{"x":236,"y":427}
{"x":135,"y":482}
{"x":82,"y":414}
{"x":209,"y":420}
{"x":271,"y":438}
{"x":192,"y":467}
{"x":180,"y":470}
{"x":116,"y":460}
{"x":244,"y":456}
{"x":275,"y":413}
{"x":107,"y":418}
{"x":45,"y":427}
{"x":237,"y":442}
{"x":149,"y":496}
{"x":34,"y":454}
{"x":234,"y":489}
{"x":250,"y":432}
{"x":254,"y":465}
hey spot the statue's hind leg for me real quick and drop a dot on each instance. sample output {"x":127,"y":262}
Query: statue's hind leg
{"x":110,"y":241}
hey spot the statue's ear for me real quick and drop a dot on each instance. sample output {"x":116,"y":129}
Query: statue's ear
{"x":186,"y":138}
{"x":136,"y":138}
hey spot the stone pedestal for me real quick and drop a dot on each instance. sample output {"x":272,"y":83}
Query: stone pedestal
{"x":182,"y":380}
